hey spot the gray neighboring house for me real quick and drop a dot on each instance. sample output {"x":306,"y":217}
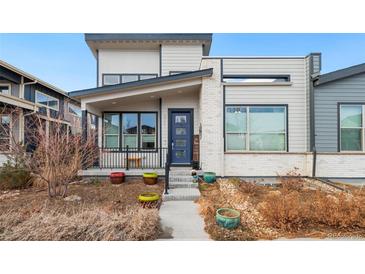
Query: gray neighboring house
{"x":339,"y":111}
{"x":29,"y":94}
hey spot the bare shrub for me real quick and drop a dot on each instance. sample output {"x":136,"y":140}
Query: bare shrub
{"x":284,"y":211}
{"x":292,"y":180}
{"x":338,"y":211}
{"x":90,"y":224}
{"x":51,"y":154}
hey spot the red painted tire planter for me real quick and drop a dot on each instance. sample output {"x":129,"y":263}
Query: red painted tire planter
{"x":117,"y":178}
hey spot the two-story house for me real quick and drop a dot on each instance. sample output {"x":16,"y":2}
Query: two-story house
{"x":160,"y":94}
{"x":21,"y":95}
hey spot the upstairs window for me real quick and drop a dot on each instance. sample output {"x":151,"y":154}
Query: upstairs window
{"x":114,"y":79}
{"x":256,"y":78}
{"x":255,"y":128}
{"x":5,"y":89}
{"x":351,"y":127}
{"x":46,"y":100}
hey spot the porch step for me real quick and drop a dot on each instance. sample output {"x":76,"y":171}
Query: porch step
{"x":180,"y":178}
{"x":183,"y":184}
{"x":182,"y":194}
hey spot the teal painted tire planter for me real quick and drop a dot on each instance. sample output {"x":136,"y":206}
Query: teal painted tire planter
{"x":228,"y":218}
{"x":209,"y":177}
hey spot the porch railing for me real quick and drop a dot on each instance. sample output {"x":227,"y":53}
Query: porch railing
{"x":133,"y":158}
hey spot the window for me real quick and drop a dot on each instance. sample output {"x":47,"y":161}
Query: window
{"x":5,"y":89}
{"x":148,"y":130}
{"x":111,"y":130}
{"x":129,"y":78}
{"x":352,"y":127}
{"x":135,"y":130}
{"x":256,"y":78}
{"x":114,"y":79}
{"x":255,"y":128}
{"x":130,"y":130}
{"x":5,"y":127}
{"x":111,"y":79}
{"x":75,"y":110}
{"x":47,"y":100}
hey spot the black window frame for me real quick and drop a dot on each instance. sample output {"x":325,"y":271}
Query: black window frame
{"x":286,"y":77}
{"x":155,"y":75}
{"x":286,"y":106}
{"x":139,"y":148}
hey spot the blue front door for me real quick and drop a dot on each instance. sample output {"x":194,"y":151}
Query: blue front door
{"x":181,"y":137}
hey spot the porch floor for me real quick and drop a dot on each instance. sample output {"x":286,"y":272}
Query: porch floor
{"x":105,"y":172}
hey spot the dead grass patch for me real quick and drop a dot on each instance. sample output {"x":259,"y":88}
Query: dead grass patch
{"x":105,"y":212}
{"x":294,"y":209}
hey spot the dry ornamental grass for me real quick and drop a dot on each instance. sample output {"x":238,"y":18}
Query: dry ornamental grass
{"x":296,"y":208}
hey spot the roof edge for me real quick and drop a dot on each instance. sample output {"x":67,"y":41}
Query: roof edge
{"x":141,"y":83}
{"x":340,"y":74}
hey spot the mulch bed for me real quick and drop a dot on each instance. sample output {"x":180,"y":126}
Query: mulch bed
{"x":259,"y":223}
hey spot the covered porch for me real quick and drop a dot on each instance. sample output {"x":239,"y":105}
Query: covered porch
{"x":143,"y":125}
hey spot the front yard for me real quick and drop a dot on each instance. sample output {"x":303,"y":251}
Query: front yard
{"x":93,"y":211}
{"x":296,"y":208}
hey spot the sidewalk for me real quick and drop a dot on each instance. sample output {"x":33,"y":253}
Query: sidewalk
{"x":181,"y":221}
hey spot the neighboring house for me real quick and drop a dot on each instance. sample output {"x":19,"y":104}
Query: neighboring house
{"x":339,"y":121}
{"x":27,"y":94}
{"x":236,"y":116}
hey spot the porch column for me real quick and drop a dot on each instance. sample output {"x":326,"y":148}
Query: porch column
{"x":84,"y":125}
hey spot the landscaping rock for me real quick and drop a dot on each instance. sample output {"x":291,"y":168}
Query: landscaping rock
{"x":73,"y":198}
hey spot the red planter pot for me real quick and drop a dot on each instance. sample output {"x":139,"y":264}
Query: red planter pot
{"x":117,"y":178}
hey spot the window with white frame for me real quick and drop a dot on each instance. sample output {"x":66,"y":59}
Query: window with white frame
{"x":75,"y":110}
{"x":46,"y":100}
{"x":352,"y":127}
{"x":5,"y":134}
{"x":255,"y":128}
{"x":5,"y":89}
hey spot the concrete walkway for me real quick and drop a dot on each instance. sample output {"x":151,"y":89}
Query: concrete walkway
{"x":180,"y":221}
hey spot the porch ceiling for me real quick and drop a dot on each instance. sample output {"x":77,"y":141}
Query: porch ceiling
{"x":104,"y":105}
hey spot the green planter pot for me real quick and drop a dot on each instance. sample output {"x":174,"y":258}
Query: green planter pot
{"x":150,"y":178}
{"x":228,"y":218}
{"x":209,"y":177}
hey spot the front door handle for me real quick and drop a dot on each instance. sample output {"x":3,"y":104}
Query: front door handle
{"x":172,"y":144}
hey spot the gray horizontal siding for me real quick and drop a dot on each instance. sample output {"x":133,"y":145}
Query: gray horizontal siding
{"x":327,"y":97}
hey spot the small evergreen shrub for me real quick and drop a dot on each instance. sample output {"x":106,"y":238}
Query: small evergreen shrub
{"x":13,"y":175}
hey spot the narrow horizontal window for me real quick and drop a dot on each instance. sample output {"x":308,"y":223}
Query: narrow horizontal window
{"x":256,"y":78}
{"x":255,"y":128}
{"x":114,"y":79}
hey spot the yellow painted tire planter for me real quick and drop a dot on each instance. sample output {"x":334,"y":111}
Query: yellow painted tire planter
{"x":150,"y":178}
{"x":148,"y":197}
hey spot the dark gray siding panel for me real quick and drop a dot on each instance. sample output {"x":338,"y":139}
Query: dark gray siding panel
{"x":326,"y":99}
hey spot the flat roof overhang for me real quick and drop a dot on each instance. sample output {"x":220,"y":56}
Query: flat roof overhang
{"x":143,"y":86}
{"x":96,"y":40}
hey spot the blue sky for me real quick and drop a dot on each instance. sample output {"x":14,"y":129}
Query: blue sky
{"x":65,"y":61}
